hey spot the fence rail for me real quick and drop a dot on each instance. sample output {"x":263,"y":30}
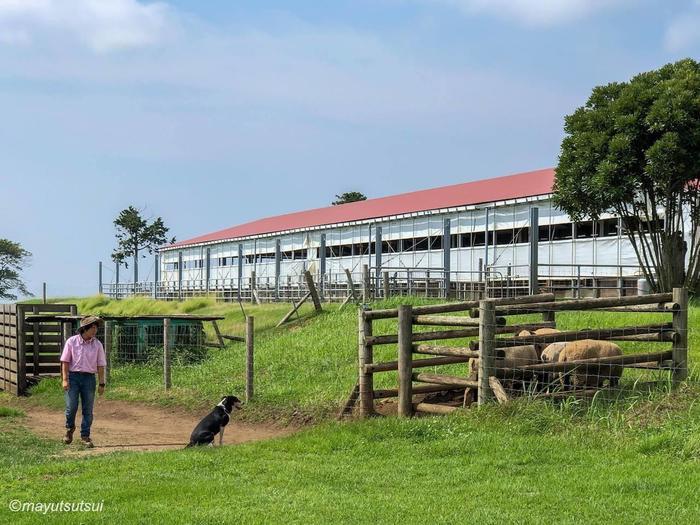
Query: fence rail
{"x":565,"y":280}
{"x":534,"y":359}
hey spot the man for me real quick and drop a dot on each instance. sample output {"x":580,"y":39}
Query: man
{"x":82,"y":357}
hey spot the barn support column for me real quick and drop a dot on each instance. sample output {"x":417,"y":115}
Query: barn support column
{"x":534,"y":255}
{"x":179,"y":275}
{"x":322,"y":266}
{"x":377,"y":259}
{"x":278,"y":265}
{"x":486,"y":250}
{"x":207,"y":269}
{"x":446,"y":256}
{"x":240,"y":270}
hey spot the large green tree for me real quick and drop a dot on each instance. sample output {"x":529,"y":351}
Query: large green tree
{"x":349,"y":196}
{"x":634,"y":150}
{"x":13,"y":259}
{"x":136,"y":235}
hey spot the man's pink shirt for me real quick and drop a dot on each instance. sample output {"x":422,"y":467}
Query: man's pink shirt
{"x":83,"y":356}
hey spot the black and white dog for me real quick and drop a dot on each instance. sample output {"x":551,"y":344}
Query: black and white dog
{"x":214,"y":422}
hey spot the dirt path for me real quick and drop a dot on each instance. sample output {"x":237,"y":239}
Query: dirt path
{"x":121,"y":425}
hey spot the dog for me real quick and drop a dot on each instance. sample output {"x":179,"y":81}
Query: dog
{"x":214,"y":423}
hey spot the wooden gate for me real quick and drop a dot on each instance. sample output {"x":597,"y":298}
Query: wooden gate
{"x":29,"y":350}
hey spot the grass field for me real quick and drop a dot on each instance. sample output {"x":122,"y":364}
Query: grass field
{"x":520,"y":464}
{"x":635,"y":461}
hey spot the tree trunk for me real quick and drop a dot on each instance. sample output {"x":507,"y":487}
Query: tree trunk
{"x":136,"y":266}
{"x":672,"y":270}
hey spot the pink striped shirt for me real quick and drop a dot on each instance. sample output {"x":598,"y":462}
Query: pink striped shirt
{"x":83,"y":356}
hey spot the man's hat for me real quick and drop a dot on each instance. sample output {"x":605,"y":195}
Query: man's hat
{"x":90,"y":319}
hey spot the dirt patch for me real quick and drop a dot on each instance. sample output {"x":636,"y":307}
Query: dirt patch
{"x":121,"y":425}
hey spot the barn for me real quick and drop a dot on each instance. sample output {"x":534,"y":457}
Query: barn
{"x":502,"y":234}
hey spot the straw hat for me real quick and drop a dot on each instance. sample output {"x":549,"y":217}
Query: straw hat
{"x":90,"y":319}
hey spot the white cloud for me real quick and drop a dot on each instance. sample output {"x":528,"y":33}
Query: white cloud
{"x":533,"y":12}
{"x":684,"y":30}
{"x":212,"y":92}
{"x":342,"y":76}
{"x":102,"y":25}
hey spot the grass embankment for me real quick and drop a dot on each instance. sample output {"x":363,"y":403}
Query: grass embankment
{"x":304,"y":369}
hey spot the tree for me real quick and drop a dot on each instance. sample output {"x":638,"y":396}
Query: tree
{"x":634,"y":150}
{"x":350,"y":196}
{"x":13,"y":258}
{"x":135,"y":234}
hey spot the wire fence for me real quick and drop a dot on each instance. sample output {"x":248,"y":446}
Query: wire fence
{"x":580,"y":350}
{"x":142,"y":344}
{"x":535,"y":347}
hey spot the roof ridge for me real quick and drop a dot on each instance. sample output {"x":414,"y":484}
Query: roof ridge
{"x":525,"y":184}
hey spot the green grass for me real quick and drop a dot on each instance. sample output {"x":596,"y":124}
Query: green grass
{"x":10,"y":412}
{"x":633,"y":461}
{"x":524,"y":463}
{"x":305,"y":369}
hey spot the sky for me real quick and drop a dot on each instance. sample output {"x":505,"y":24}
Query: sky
{"x":211,"y":114}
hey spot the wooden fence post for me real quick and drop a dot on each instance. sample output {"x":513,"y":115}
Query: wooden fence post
{"x":680,"y":341}
{"x":365,"y":380}
{"x":405,"y":360}
{"x":312,"y":290}
{"x":166,"y":353}
{"x":385,"y":284}
{"x":219,"y":338}
{"x":108,"y":350}
{"x":35,"y":344}
{"x":487,"y":348}
{"x":73,"y":324}
{"x":351,"y":285}
{"x":21,"y":352}
{"x":549,"y":317}
{"x":249,"y":350}
{"x":66,"y":332}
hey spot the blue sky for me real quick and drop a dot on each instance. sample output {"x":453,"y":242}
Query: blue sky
{"x":215,"y":113}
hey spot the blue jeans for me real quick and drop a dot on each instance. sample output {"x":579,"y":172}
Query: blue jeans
{"x":83,"y":386}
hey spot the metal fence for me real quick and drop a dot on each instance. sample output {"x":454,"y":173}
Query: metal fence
{"x":154,"y":349}
{"x":565,"y":280}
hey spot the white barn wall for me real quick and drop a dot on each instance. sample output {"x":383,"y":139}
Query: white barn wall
{"x":464,"y":260}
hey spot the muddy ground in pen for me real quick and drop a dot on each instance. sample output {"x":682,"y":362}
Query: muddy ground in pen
{"x":122,"y":425}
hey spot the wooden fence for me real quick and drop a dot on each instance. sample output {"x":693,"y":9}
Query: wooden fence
{"x":488,"y":319}
{"x":30,"y":350}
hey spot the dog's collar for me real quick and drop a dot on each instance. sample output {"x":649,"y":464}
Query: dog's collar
{"x":224,"y":409}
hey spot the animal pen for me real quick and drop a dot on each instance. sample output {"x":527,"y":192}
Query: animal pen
{"x":32,"y":339}
{"x":531,"y":346}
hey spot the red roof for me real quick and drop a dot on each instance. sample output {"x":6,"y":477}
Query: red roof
{"x":529,"y":184}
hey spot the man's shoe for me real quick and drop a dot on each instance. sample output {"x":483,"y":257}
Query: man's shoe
{"x":87,"y":442}
{"x":68,"y":438}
